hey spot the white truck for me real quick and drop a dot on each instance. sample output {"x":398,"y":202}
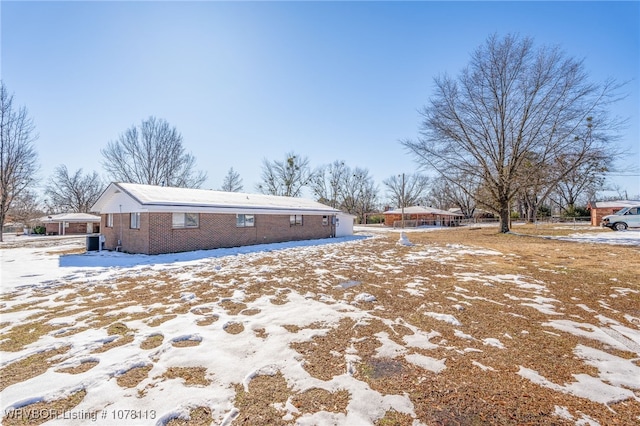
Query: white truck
{"x":629,"y":217}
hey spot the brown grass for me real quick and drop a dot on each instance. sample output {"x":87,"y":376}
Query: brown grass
{"x":152,"y":341}
{"x":256,"y":405}
{"x":199,"y":416}
{"x":132,"y":377}
{"x":192,"y":376}
{"x":29,"y":367}
{"x":315,"y":399}
{"x":44,"y":411}
{"x":572,"y":274}
{"x":81,"y":368}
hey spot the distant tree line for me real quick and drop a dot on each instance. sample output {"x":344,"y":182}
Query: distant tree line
{"x":520,"y":129}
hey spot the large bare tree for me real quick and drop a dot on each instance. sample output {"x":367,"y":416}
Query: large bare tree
{"x":341,"y":187}
{"x":73,"y":192}
{"x":18,"y":157}
{"x":232,"y":182}
{"x":328,"y":183}
{"x":287,"y":177}
{"x":410,"y":190}
{"x":512,"y":102}
{"x":444,"y":195}
{"x":151,"y":154}
{"x":359,"y":194}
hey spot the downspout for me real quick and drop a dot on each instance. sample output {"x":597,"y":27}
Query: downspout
{"x":120,"y":239}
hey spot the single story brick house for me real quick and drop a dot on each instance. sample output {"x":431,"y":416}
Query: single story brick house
{"x":600,"y":209}
{"x":152,"y":219}
{"x":420,"y":216}
{"x":71,"y":224}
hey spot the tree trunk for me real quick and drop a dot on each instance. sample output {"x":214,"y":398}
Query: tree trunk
{"x":505,"y":217}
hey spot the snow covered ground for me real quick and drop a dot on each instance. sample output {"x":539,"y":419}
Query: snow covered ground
{"x":41,"y":280}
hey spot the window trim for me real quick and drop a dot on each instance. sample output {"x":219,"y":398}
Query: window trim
{"x":244,"y":223}
{"x":296,"y":220}
{"x":134,"y":224}
{"x":109,"y":220}
{"x":185,"y":222}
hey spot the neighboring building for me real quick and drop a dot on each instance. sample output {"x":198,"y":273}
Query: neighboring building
{"x":155,"y":219}
{"x":422,"y":216}
{"x":600,"y":209}
{"x":71,"y":224}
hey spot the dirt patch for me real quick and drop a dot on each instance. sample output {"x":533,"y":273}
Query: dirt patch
{"x":207,"y":320}
{"x":199,"y":416}
{"x":41,"y":412}
{"x":232,"y":308}
{"x":192,"y":376}
{"x":314,"y":400}
{"x":29,"y":367}
{"x":81,"y":368}
{"x":186,"y":342}
{"x":132,"y":377}
{"x":257,"y":406}
{"x":233,"y":327}
{"x":152,"y":342}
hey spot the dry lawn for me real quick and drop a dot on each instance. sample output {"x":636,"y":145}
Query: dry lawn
{"x":479,"y":385}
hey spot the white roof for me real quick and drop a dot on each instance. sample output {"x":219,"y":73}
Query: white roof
{"x":618,"y":203}
{"x":423,"y":210}
{"x":70,"y":217}
{"x":165,"y":199}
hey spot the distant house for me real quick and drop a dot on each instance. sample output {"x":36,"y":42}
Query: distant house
{"x":422,"y":216}
{"x":71,"y":224}
{"x":155,"y":219}
{"x":600,"y":209}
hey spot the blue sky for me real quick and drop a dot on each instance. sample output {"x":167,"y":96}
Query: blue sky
{"x":248,"y":81}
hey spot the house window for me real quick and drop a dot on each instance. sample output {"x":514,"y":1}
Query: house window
{"x":135,"y":221}
{"x":325,"y":220}
{"x":245,"y":220}
{"x":295,"y":219}
{"x":110,"y":220}
{"x":186,"y":220}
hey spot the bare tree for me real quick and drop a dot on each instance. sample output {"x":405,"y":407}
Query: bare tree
{"x":444,"y":195}
{"x":26,"y":208}
{"x":411,"y":189}
{"x":151,"y":154}
{"x":232,"y":181}
{"x":359,"y":193}
{"x":18,"y":157}
{"x":73,"y":193}
{"x":511,"y":101}
{"x":287,"y":177}
{"x":328,"y":181}
{"x":582,"y":182}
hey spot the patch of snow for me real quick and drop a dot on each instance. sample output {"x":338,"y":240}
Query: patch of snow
{"x":482,"y":367}
{"x":364,"y":297}
{"x":585,"y":386}
{"x":428,"y":363}
{"x":404,"y":240}
{"x":491,"y":341}
{"x":444,"y":317}
{"x":462,"y":335}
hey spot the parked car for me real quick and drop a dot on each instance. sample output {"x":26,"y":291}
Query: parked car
{"x":629,"y":217}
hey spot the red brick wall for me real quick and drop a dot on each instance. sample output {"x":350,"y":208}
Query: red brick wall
{"x":73,"y":228}
{"x":132,"y":240}
{"x":156,"y":234}
{"x":598,"y":213}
